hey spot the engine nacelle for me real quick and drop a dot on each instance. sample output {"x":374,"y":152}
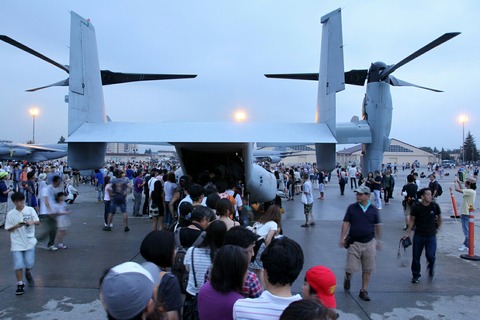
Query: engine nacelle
{"x":19,"y":152}
{"x":4,"y":151}
{"x":274,"y":159}
{"x":262,"y":185}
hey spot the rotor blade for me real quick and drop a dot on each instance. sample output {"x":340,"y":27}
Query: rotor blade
{"x":356,"y":77}
{"x":416,"y":54}
{"x":400,"y":83}
{"x":296,"y":76}
{"x":109,"y":77}
{"x":62,"y":83}
{"x":33,"y":52}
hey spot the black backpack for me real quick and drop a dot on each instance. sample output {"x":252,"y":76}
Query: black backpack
{"x":439,"y":190}
{"x":178,"y":267}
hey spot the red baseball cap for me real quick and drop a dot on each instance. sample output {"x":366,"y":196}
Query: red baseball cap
{"x":323,"y":281}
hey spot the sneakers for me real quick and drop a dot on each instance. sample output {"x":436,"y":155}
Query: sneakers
{"x":61,"y":246}
{"x":107,"y":228}
{"x":463,"y":248}
{"x":416,"y":279}
{"x":20,"y":289}
{"x":52,"y":248}
{"x":126,"y":229}
{"x":305,"y":225}
{"x":346,"y":283}
{"x":312,"y":224}
{"x":364,"y":295}
{"x":431,"y":271}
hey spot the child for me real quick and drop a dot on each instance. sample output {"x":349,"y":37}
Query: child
{"x":63,"y":221}
{"x":21,"y":222}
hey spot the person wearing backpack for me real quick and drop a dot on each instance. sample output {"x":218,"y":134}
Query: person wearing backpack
{"x":118,"y":198}
{"x":409,"y":191}
{"x":434,"y":186}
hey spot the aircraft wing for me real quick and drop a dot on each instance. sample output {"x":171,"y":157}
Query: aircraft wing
{"x":201,"y":132}
{"x":51,"y":148}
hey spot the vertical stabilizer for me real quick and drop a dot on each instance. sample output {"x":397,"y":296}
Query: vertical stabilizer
{"x":85,"y":99}
{"x":331,"y":80}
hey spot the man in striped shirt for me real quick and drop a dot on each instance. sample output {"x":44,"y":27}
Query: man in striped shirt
{"x":282,"y":263}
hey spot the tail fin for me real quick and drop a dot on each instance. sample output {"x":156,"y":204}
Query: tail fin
{"x":330,"y":81}
{"x":85,"y":98}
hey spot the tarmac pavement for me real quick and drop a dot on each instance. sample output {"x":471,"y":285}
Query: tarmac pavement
{"x":66,"y":281}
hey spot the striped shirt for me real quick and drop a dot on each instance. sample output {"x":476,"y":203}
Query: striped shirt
{"x":265,"y":307}
{"x":202,"y":262}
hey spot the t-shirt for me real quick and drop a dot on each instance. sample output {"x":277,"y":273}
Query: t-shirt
{"x":265,"y":307}
{"x":49,"y":193}
{"x":208,"y":306}
{"x":265,"y":228}
{"x":170,"y":189}
{"x":22,"y":238}
{"x":138,"y":181}
{"x":362,"y":224}
{"x":202,"y":261}
{"x":307,"y":187}
{"x":425,"y":218}
{"x":99,"y":178}
{"x":377,"y":185}
{"x":468,"y":200}
{"x":129,"y":174}
{"x":108,"y":188}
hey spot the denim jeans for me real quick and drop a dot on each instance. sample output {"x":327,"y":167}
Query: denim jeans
{"x":430,"y":245}
{"x":100,"y":191}
{"x":464,"y":220}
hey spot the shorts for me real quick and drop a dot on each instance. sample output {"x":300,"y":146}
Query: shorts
{"x":321,"y":187}
{"x":122,"y":206}
{"x":407,"y":209}
{"x":307,"y":208}
{"x":23,"y":259}
{"x":63,"y":222}
{"x":361,"y":254}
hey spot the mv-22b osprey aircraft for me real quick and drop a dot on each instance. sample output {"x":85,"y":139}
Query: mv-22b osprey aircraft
{"x":206,"y":146}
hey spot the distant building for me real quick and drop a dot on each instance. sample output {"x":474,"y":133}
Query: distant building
{"x":120,"y":148}
{"x":399,"y":152}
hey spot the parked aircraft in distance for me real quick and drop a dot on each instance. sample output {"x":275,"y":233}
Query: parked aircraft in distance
{"x":31,"y":152}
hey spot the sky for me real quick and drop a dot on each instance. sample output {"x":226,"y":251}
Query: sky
{"x":230,"y":45}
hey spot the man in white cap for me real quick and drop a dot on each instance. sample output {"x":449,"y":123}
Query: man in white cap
{"x":362,"y":226}
{"x":127,"y":292}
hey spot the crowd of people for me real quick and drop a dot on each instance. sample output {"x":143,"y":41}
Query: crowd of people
{"x":209,"y":230}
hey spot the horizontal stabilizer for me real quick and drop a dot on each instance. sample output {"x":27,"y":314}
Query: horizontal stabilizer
{"x":32,"y":52}
{"x":109,"y":77}
{"x":419,"y":52}
{"x":400,"y":83}
{"x":181,"y":132}
{"x":296,"y":76}
{"x":356,"y":77}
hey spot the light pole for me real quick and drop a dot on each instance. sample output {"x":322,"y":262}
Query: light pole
{"x":34,"y":114}
{"x":462,"y":119}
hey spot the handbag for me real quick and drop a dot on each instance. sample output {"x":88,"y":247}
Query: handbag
{"x":304,"y":198}
{"x":190,"y":308}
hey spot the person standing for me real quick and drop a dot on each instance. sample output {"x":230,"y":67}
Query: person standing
{"x":46,"y":212}
{"x":21,"y":222}
{"x":137,"y":194}
{"x":118,"y":199}
{"x":377,"y":187}
{"x":321,"y":186}
{"x":426,"y":218}
{"x":352,"y":174}
{"x":433,"y":185}
{"x":100,"y":183}
{"x":4,"y":190}
{"x":468,"y":204}
{"x":409,"y":191}
{"x":308,"y":206}
{"x":388,"y":182}
{"x":361,"y":231}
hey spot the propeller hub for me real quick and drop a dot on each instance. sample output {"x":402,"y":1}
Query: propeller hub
{"x":376,"y":71}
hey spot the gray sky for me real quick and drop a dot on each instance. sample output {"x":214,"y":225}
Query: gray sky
{"x":230,"y":45}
